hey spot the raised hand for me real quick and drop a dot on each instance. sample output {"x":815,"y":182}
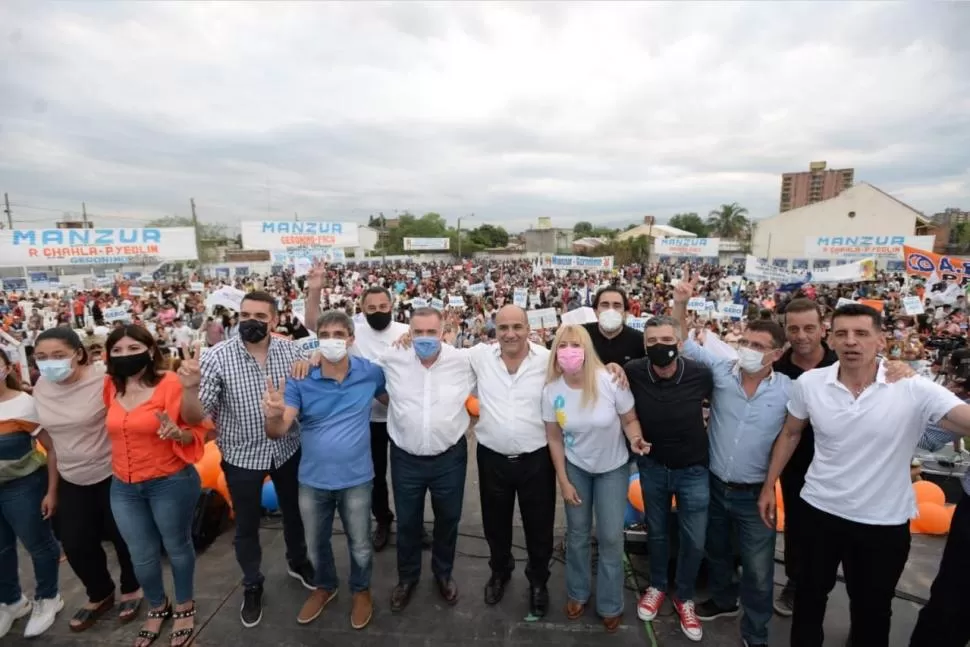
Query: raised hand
{"x":684,"y":290}
{"x":315,"y":278}
{"x":190,"y":372}
{"x":273,"y":403}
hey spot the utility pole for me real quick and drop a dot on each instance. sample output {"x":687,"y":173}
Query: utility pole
{"x":198,"y":240}
{"x":84,"y":214}
{"x":296,"y":216}
{"x":6,"y":210}
{"x":383,"y":238}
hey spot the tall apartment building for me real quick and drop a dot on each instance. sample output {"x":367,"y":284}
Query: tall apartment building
{"x":814,"y":185}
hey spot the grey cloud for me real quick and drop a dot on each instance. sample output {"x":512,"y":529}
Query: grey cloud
{"x":590,"y":111}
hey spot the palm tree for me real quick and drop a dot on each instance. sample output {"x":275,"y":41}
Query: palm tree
{"x":730,"y":221}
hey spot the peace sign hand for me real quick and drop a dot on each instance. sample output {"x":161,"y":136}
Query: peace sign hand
{"x":190,"y":372}
{"x":273,"y":403}
{"x":685,"y":289}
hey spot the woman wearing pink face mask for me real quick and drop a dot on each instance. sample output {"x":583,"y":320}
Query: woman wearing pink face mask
{"x":586,"y":414}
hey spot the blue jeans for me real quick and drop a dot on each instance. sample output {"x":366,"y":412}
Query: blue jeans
{"x":738,"y":508}
{"x":317,"y":507}
{"x":602,"y":495}
{"x":155,"y":512}
{"x":20,"y":519}
{"x":690,"y":486}
{"x":412,"y":477}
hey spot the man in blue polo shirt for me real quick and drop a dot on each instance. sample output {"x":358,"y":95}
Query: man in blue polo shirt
{"x":332,"y":406}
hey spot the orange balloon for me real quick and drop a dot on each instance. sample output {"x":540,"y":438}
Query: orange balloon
{"x":210,"y":467}
{"x":933,"y":519}
{"x":780,"y":519}
{"x":472,"y":405}
{"x":779,"y":499}
{"x":40,"y":448}
{"x":928,"y":492}
{"x":635,"y":495}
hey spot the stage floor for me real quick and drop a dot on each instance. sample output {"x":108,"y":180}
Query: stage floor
{"x":427,"y":621}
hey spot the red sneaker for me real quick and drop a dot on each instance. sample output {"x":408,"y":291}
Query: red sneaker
{"x":650,"y":604}
{"x":690,"y":624}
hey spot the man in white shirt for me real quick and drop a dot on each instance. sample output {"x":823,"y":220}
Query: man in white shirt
{"x":513,"y":455}
{"x":857,"y":495}
{"x":373,"y":338}
{"x":428,"y":385}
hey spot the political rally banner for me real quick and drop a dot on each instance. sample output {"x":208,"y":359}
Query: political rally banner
{"x":426,"y":244}
{"x":938,"y":267}
{"x":693,"y":247}
{"x":293,"y":235}
{"x":759,"y":269}
{"x":592,"y":263}
{"x":29,"y":247}
{"x":885,"y":247}
{"x":864,"y":270}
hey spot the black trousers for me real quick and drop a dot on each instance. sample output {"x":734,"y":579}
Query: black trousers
{"x":84,"y":520}
{"x":380,"y":501}
{"x":532,"y":478}
{"x":246,"y":490}
{"x":872,"y":558}
{"x":943,"y":622}
{"x":792,"y":482}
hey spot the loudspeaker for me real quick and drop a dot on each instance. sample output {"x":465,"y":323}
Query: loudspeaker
{"x":210,"y":520}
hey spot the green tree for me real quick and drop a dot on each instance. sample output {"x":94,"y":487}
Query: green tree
{"x":583,"y":228}
{"x":208,"y":236}
{"x":730,"y":221}
{"x":488,"y":236}
{"x":690,"y":222}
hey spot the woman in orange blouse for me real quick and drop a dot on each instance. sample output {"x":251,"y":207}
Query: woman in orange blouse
{"x":154,"y":489}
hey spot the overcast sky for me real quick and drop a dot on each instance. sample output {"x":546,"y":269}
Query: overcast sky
{"x":594,"y":112}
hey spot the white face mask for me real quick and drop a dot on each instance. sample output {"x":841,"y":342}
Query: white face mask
{"x":610,"y":320}
{"x":750,"y":361}
{"x":333,"y":350}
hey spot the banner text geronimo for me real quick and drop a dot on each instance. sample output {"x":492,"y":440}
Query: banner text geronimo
{"x":305,"y":234}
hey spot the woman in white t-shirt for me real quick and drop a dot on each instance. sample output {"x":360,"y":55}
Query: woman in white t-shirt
{"x":586,"y":414}
{"x":28,"y":498}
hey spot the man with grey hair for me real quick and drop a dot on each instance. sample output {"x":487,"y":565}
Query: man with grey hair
{"x":428,"y":384}
{"x":669,"y":393}
{"x":336,"y":474}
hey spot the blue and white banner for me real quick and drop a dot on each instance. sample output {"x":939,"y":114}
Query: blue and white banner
{"x":275,"y":235}
{"x":692,"y":247}
{"x":32,"y":247}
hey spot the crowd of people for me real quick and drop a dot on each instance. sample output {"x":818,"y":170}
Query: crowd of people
{"x":328,"y":381}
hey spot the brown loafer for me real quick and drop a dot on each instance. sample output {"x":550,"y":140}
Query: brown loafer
{"x":612,"y":623}
{"x":574,"y":609}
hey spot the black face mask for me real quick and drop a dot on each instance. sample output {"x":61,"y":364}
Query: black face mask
{"x":253,"y":331}
{"x":129,"y":365}
{"x":378,"y":320}
{"x":662,"y":354}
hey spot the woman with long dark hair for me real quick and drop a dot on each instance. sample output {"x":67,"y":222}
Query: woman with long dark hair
{"x":155,"y":488}
{"x":28,"y":498}
{"x":70,"y":405}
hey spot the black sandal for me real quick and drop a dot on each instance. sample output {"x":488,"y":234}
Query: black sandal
{"x":162,"y":615}
{"x":87,"y":617}
{"x":128,"y":610}
{"x":183,"y":633}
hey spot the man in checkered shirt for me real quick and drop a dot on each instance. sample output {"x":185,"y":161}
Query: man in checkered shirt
{"x":228,"y":385}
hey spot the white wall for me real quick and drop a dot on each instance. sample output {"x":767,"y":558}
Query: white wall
{"x":876,"y":214}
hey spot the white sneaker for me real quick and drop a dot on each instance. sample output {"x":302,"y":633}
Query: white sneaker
{"x":9,"y":613}
{"x":42,"y":616}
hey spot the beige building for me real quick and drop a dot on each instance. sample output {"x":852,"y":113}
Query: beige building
{"x":861,"y":218}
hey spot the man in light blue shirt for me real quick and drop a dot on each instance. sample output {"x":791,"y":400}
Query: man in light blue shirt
{"x":748,"y":410}
{"x":333,"y":406}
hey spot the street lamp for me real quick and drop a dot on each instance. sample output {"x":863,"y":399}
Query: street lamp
{"x":471,"y":215}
